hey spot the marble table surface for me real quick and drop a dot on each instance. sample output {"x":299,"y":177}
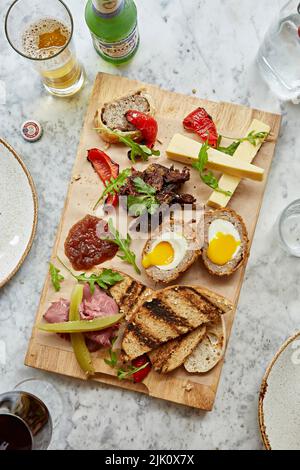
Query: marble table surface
{"x":210,"y":46}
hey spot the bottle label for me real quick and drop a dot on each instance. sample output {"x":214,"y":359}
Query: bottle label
{"x":119,"y":49}
{"x":107,"y":8}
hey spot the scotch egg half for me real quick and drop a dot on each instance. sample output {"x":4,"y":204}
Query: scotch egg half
{"x":166,"y":252}
{"x":224,"y":242}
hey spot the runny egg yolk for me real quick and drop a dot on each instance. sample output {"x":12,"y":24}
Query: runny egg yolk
{"x":222,"y":248}
{"x":161,"y":255}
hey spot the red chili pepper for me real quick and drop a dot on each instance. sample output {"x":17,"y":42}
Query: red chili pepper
{"x":200,"y":122}
{"x":106,"y":168}
{"x":144,"y":123}
{"x":142,"y":374}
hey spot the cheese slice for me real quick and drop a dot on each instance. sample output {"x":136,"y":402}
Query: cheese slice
{"x":185,"y":150}
{"x":246,"y":152}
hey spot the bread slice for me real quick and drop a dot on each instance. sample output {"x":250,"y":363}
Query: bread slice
{"x":168,"y":314}
{"x":112,"y":116}
{"x":230,"y":216}
{"x":189,"y":234}
{"x":172,"y":355}
{"x":210,"y":349}
{"x":129,"y":295}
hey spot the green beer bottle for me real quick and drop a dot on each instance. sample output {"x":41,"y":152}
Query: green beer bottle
{"x":113,"y":26}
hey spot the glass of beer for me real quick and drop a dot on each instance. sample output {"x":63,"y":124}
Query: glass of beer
{"x":42,"y":31}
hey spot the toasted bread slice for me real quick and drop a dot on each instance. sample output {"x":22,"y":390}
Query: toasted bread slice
{"x":240,"y":257}
{"x":210,"y":349}
{"x":112,"y":116}
{"x":129,"y":295}
{"x":168,"y":314}
{"x":183,"y":238}
{"x":172,"y":355}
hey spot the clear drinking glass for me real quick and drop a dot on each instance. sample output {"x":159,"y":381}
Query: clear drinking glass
{"x":279,"y":55}
{"x":289,"y":228}
{"x":42,"y":31}
{"x":47,"y":393}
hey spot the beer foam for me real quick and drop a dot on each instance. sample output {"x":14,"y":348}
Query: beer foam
{"x":30,"y":39}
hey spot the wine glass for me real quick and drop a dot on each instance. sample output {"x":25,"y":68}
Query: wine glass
{"x":25,"y":419}
{"x":25,"y":422}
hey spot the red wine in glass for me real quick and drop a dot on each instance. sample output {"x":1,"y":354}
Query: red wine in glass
{"x":14,"y":433}
{"x":25,"y":422}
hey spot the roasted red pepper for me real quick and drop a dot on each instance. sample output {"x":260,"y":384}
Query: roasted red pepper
{"x":106,"y":168}
{"x":112,"y":200}
{"x":103,"y":164}
{"x":146,"y":124}
{"x":200,"y":122}
{"x":141,"y":374}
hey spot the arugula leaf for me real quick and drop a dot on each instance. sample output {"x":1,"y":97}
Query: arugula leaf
{"x":230,"y":150}
{"x":207,"y":176}
{"x":125,"y":374}
{"x":253,"y":137}
{"x":137,"y":150}
{"x":114,"y":185}
{"x":105,"y":279}
{"x":56,"y":278}
{"x":124,"y":246}
{"x":122,"y":374}
{"x":143,"y":188}
{"x":147,"y":202}
{"x":200,"y":165}
{"x":113,"y":357}
{"x":139,"y":205}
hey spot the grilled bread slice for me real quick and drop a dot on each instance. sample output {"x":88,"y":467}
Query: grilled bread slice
{"x":182,"y":238}
{"x":112,"y":116}
{"x":210,"y":349}
{"x":234,"y":222}
{"x":168,"y":314}
{"x":129,"y":295}
{"x":172,"y":355}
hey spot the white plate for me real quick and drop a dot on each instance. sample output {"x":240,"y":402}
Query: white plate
{"x":279,"y":402}
{"x":18,"y":212}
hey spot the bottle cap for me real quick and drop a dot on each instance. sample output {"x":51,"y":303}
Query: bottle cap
{"x":31,"y":130}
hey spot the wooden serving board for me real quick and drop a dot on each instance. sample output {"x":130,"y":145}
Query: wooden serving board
{"x":51,"y":353}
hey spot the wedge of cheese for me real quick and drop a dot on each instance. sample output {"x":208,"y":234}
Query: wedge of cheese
{"x":185,"y":150}
{"x":246,"y":152}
